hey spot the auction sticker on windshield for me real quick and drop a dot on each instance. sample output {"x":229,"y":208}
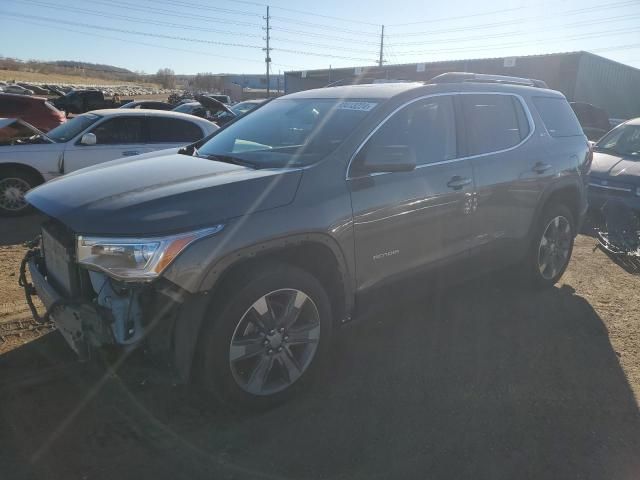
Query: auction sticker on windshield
{"x":360,"y":106}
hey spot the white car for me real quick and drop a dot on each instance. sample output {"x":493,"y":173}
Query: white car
{"x":29,"y":157}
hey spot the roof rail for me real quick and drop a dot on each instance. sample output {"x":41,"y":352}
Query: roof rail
{"x":458,"y":77}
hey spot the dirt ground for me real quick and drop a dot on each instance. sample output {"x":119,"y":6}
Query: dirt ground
{"x":488,"y":381}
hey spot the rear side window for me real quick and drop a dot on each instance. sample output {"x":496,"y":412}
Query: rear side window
{"x":493,"y":122}
{"x":558,"y":116}
{"x":164,"y":130}
{"x":121,"y":130}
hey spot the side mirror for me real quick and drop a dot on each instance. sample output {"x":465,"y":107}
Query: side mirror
{"x":88,"y":139}
{"x":391,"y":158}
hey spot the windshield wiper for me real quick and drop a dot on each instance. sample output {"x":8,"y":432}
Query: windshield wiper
{"x":229,"y":159}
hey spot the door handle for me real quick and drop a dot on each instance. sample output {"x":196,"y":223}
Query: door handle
{"x":457,"y":182}
{"x":541,"y":167}
{"x":129,"y":153}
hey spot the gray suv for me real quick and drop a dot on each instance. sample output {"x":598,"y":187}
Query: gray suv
{"x":237,"y":258}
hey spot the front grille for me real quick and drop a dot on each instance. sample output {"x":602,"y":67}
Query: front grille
{"x":59,"y":258}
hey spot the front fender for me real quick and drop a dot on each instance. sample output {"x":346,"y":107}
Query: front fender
{"x":201,"y":293}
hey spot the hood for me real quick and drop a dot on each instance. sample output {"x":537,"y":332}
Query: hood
{"x":14,"y":131}
{"x":157,"y":195}
{"x":606,"y":164}
{"x":213,"y":105}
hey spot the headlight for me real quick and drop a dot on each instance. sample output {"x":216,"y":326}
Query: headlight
{"x":135,"y":258}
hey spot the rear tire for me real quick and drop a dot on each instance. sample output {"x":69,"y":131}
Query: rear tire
{"x":14,"y":184}
{"x":551,"y":246}
{"x":266,"y":339}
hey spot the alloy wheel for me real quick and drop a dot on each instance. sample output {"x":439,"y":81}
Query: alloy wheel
{"x":554,"y":247}
{"x":274,"y":342}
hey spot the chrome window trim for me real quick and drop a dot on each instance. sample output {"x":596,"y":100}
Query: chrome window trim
{"x":609,"y":187}
{"x":532,"y":129}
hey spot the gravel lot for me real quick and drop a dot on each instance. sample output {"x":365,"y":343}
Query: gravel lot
{"x":486,"y":381}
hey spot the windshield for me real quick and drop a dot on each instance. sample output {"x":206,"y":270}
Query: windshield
{"x":624,"y":140}
{"x":289,"y":132}
{"x":186,"y":107}
{"x":73,"y":127}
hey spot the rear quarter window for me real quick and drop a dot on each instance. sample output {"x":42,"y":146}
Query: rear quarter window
{"x":493,"y":122}
{"x":558,"y":117}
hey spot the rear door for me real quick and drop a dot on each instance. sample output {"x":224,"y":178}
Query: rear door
{"x":117,"y":137}
{"x":498,"y":140}
{"x":408,"y":221}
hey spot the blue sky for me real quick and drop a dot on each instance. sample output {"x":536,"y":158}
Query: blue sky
{"x":193,"y":36}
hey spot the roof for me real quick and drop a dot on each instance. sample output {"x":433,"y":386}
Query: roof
{"x":118,"y":112}
{"x":371,"y":90}
{"x":386,"y":91}
{"x":115,"y":112}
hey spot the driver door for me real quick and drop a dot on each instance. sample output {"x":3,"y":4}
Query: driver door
{"x":115,"y":138}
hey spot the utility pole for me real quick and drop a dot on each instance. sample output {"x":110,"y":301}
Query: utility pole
{"x":268,"y":51}
{"x":381,"y":46}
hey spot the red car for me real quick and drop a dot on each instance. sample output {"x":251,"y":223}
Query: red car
{"x":34,"y":110}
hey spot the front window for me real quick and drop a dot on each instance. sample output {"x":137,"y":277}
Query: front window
{"x":289,"y":132}
{"x":624,"y":140}
{"x":73,"y":127}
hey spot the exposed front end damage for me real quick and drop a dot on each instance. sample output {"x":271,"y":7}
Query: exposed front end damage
{"x":90,"y":309}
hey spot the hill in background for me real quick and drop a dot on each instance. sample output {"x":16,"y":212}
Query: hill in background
{"x":78,"y":72}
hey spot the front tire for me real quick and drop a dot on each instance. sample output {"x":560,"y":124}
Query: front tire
{"x":551,"y":246}
{"x":14,"y":184}
{"x":267,"y":338}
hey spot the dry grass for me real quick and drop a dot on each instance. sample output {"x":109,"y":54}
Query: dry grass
{"x":10,"y":75}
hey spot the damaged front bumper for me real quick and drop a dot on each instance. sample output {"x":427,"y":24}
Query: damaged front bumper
{"x":78,"y":321}
{"x":105,"y":314}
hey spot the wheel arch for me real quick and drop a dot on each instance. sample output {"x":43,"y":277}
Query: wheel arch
{"x":22,"y":167}
{"x":567,"y":193}
{"x":318,"y":254}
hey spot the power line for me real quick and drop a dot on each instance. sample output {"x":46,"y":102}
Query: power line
{"x":131,"y":32}
{"x":323,"y":26}
{"x":181,"y":3}
{"x":459,"y":17}
{"x":325,"y":36}
{"x":513,"y":33}
{"x":327,"y":55}
{"x":162,"y":47}
{"x":322,"y":45}
{"x":135,"y":19}
{"x":519,"y":44}
{"x":515,"y":20}
{"x":171,"y":13}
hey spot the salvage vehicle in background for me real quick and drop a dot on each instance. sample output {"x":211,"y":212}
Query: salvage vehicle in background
{"x":81,"y":101}
{"x":88,"y":139}
{"x":17,"y":89}
{"x":34,"y":110}
{"x":594,"y":120}
{"x":237,"y":259}
{"x":615,"y":172}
